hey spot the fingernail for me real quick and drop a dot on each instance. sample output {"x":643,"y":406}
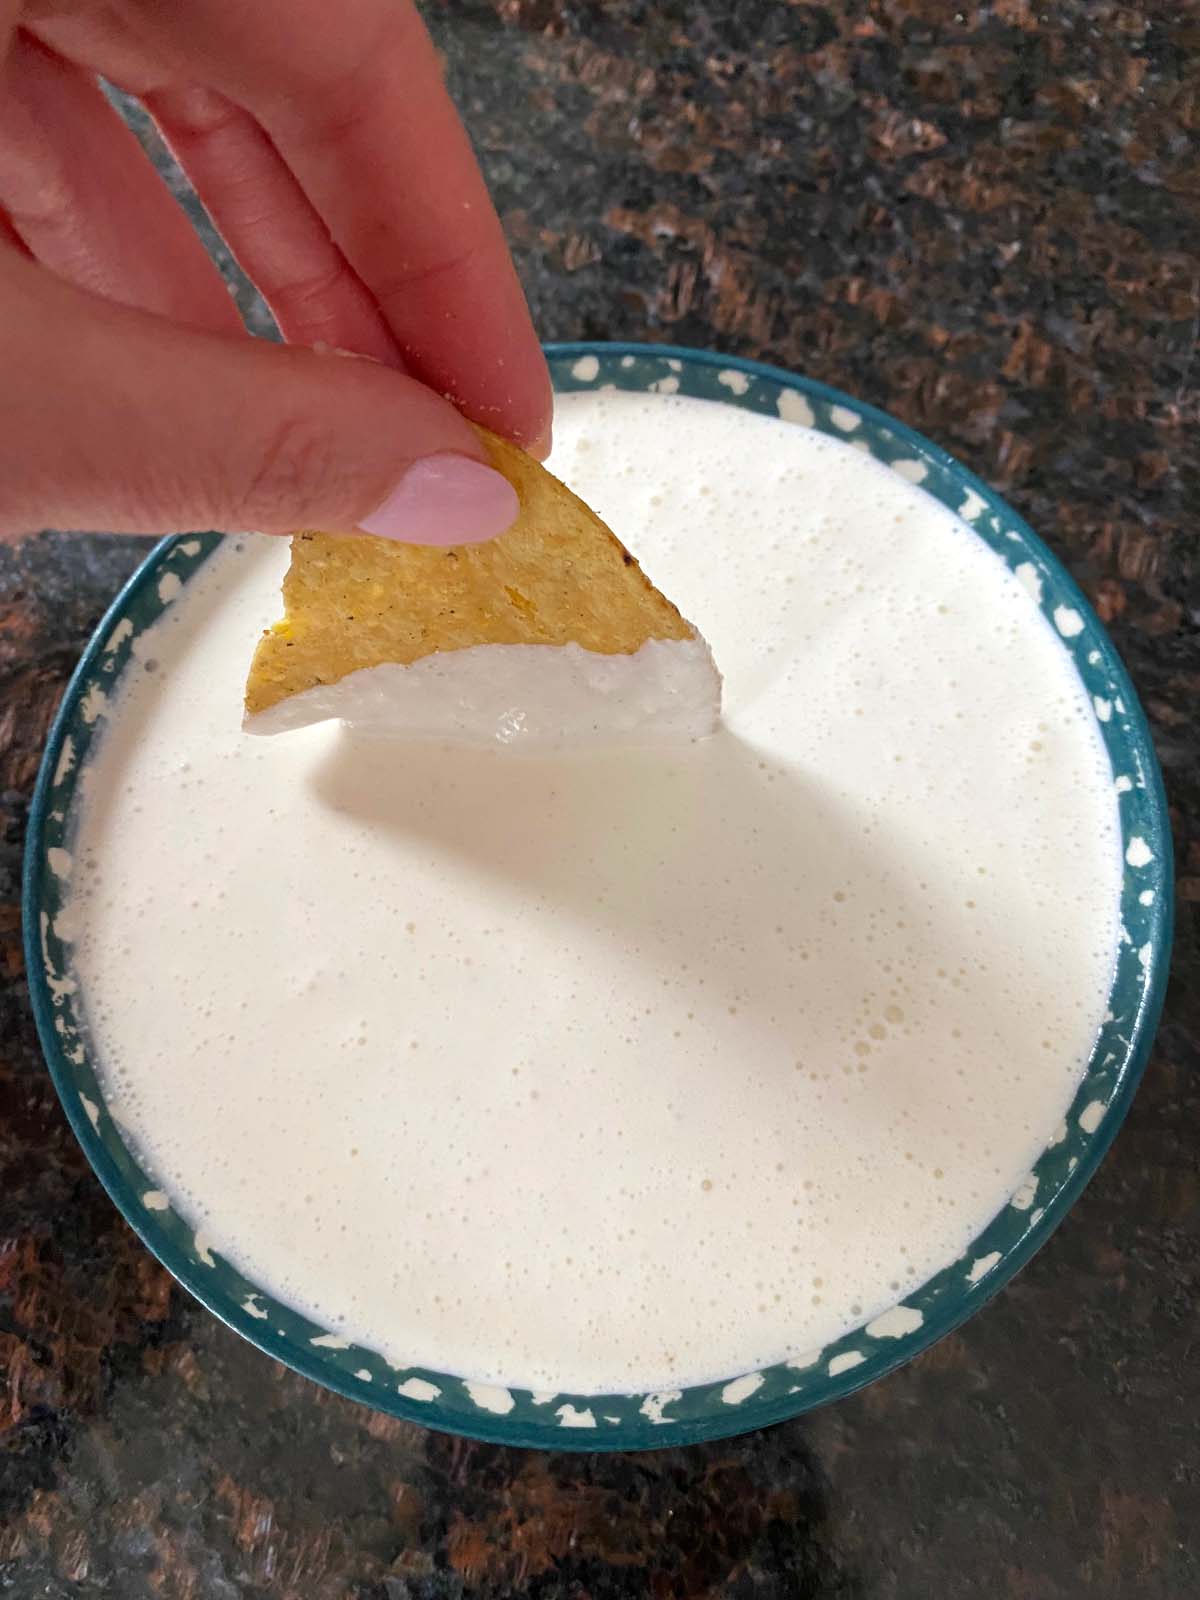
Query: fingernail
{"x":445,"y":499}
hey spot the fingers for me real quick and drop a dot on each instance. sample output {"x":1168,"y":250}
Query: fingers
{"x":83,"y":199}
{"x":351,"y":97}
{"x":422,"y":234}
{"x":267,"y":221}
{"x":112,"y":418}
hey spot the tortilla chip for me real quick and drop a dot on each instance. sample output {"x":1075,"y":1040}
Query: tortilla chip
{"x":558,"y":576}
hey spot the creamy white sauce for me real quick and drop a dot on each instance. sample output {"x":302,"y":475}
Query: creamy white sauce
{"x":522,"y":695}
{"x":624,"y":1069}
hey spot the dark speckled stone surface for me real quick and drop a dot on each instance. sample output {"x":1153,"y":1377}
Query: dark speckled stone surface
{"x":986,"y":220}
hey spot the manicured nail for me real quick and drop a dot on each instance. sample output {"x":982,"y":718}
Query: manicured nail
{"x":445,"y":499}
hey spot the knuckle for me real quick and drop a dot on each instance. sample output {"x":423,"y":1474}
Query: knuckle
{"x":297,"y":297}
{"x":296,"y":478}
{"x":397,"y":286}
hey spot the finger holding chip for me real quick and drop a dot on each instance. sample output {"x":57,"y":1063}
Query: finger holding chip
{"x":548,"y":634}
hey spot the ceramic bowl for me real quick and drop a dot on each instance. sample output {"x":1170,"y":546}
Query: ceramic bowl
{"x":743,"y":1400}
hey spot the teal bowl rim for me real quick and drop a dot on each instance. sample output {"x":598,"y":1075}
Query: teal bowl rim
{"x":712,"y":1413}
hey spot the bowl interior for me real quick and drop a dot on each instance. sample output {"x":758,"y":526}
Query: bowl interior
{"x":746,"y":1400}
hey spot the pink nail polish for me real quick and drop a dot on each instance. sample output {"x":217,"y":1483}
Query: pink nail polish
{"x":445,"y":499}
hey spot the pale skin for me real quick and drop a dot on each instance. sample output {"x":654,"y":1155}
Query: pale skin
{"x":324,"y":145}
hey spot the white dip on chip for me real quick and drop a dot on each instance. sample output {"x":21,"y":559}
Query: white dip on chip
{"x":521,"y":695}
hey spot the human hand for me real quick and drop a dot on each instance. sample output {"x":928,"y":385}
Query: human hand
{"x":323,"y":143}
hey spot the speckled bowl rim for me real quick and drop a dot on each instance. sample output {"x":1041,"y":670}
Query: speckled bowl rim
{"x":747,"y":1401}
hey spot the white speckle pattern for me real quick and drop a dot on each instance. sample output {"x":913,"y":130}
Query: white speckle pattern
{"x":741,"y":1389}
{"x":803,"y":1362}
{"x":190,"y":548}
{"x":418,"y":1389}
{"x":1103,"y":707}
{"x":330,"y":1341}
{"x":653,"y":1406}
{"x":1145,"y":952}
{"x":1023,"y":1199}
{"x":1068,"y":621}
{"x":971,"y":507}
{"x":894,"y":1324}
{"x":793,"y":407}
{"x":627,"y":362}
{"x":202,"y":1245}
{"x":1146,"y":898}
{"x":846,"y":1362}
{"x":94,"y":704}
{"x":912,"y":469}
{"x":1030,"y":578}
{"x":364,"y":1375}
{"x":252,"y":1308}
{"x":669,"y":385}
{"x":59,"y":861}
{"x":66,"y":760}
{"x":735,"y":382}
{"x":568,"y":1417}
{"x":844,"y":419}
{"x":586,"y":369}
{"x":1089,"y":1117}
{"x":122,"y":631}
{"x":59,"y":986}
{"x":982,"y":1265}
{"x":155,"y":1200}
{"x":543,"y":1397}
{"x":170,"y":587}
{"x":674,"y":364}
{"x":1138,"y":853}
{"x":92,"y":1110}
{"x":489,"y":1396}
{"x":1123,"y":784}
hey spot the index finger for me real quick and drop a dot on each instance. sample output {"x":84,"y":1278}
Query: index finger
{"x":353,"y":99}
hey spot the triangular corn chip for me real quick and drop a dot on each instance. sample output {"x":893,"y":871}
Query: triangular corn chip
{"x":549,"y":633}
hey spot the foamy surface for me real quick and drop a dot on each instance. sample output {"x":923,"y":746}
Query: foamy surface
{"x":622,"y":1069}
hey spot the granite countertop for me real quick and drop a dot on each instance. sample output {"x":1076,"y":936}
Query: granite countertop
{"x":988,"y":222}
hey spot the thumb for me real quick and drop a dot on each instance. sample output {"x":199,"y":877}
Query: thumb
{"x":113,"y":418}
